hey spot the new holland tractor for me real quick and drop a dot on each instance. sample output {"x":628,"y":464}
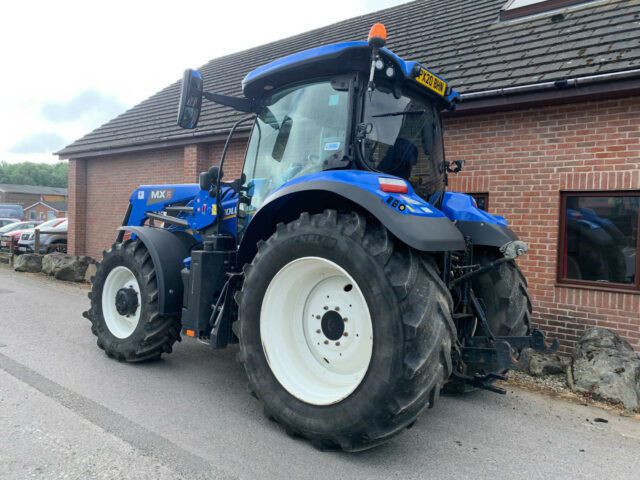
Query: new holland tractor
{"x":356,"y":286}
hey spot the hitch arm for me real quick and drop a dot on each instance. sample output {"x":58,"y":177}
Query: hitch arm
{"x":510,"y":250}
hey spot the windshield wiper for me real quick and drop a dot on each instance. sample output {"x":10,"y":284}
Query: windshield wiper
{"x":395,"y":114}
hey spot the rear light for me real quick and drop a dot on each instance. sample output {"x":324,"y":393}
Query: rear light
{"x":393,"y":185}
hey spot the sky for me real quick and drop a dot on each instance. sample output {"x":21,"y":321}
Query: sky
{"x":70,"y":66}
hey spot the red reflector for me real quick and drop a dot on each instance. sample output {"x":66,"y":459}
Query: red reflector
{"x":393,"y":185}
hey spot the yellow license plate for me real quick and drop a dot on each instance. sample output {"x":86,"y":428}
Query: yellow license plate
{"x":432,"y":82}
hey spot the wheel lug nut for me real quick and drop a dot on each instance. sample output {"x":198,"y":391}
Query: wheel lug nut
{"x":325,"y":307}
{"x":345,"y":334}
{"x":337,"y":309}
{"x":317,"y":331}
{"x":317,"y":317}
{"x":326,"y":342}
{"x":345,"y":319}
{"x":337,"y":344}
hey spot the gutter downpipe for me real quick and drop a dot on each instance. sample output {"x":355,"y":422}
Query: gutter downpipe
{"x":557,"y":84}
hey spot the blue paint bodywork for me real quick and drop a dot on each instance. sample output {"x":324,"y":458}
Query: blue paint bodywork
{"x":406,"y":67}
{"x":460,"y":206}
{"x":202,"y":203}
{"x":404,"y":203}
{"x":455,"y":206}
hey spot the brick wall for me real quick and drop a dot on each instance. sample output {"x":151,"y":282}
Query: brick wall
{"x":77,"y":185}
{"x":22,"y":199}
{"x":524,"y":159}
{"x":41,"y":212}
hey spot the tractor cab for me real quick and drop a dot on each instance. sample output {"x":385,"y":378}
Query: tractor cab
{"x":307,"y":124}
{"x":352,"y":105}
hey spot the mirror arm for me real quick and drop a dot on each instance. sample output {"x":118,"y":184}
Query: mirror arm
{"x":240,"y":104}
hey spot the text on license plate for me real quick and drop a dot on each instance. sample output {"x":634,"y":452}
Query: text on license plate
{"x":22,"y":249}
{"x":432,"y":82}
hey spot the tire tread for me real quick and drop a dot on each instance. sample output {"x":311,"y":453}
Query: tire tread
{"x":428,"y":334}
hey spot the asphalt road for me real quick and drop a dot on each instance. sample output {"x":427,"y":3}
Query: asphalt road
{"x":68,"y":411}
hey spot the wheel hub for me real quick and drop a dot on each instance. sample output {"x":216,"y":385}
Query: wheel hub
{"x":332,"y":325}
{"x":121,"y":299}
{"x":126,"y":301}
{"x":316,"y":330}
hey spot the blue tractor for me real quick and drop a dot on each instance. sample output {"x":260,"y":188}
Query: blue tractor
{"x":356,"y":286}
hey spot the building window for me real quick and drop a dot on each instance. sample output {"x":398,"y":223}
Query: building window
{"x":523,"y":8}
{"x":599,"y":240}
{"x":51,"y":215}
{"x":482,"y":200}
{"x":32,"y":215}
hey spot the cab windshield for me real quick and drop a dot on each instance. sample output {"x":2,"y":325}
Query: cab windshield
{"x":404,"y":139}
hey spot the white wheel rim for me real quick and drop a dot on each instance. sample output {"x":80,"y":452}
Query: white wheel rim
{"x":301,"y":306}
{"x":120,"y":326}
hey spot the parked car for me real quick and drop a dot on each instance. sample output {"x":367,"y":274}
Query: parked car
{"x":6,"y":221}
{"x":49,"y":242}
{"x":12,"y":230}
{"x":11,"y":210}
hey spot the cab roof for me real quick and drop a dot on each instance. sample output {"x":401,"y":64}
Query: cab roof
{"x":328,"y":60}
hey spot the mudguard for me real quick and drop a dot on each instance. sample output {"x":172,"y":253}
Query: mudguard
{"x":483,"y":228}
{"x":487,"y":234}
{"x":407,"y":216}
{"x":167,"y":250}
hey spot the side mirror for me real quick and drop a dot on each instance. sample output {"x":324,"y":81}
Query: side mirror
{"x":190,"y":99}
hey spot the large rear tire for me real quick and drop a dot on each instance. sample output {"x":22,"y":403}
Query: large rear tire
{"x":503,"y":291}
{"x":345,"y":333}
{"x":124,"y":306}
{"x":507,"y":307}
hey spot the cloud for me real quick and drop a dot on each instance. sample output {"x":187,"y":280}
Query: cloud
{"x":90,"y":107}
{"x":45,"y":142}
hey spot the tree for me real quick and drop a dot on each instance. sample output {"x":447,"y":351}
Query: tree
{"x":29,"y":173}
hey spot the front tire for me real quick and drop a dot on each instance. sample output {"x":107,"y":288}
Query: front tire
{"x":379,"y":352}
{"x":124,"y":306}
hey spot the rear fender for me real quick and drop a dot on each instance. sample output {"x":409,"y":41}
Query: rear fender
{"x":408,"y":217}
{"x":483,"y":228}
{"x":167,"y":251}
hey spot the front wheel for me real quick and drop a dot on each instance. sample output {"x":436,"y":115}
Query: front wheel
{"x":345,"y":333}
{"x":57,"y":246}
{"x":124,"y":306}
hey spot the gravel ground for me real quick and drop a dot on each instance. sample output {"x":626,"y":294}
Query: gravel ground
{"x":556,"y":386}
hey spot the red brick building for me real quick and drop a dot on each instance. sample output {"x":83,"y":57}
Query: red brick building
{"x":549,"y":127}
{"x":25,"y":195}
{"x":43,"y":211}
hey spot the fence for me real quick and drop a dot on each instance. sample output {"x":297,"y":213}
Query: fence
{"x":58,"y":247}
{"x":9,"y":254}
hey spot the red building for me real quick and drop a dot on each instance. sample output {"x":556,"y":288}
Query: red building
{"x":43,"y":211}
{"x":549,"y":127}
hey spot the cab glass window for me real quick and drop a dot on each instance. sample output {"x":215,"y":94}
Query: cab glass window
{"x":295,"y":132}
{"x":404,"y":139}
